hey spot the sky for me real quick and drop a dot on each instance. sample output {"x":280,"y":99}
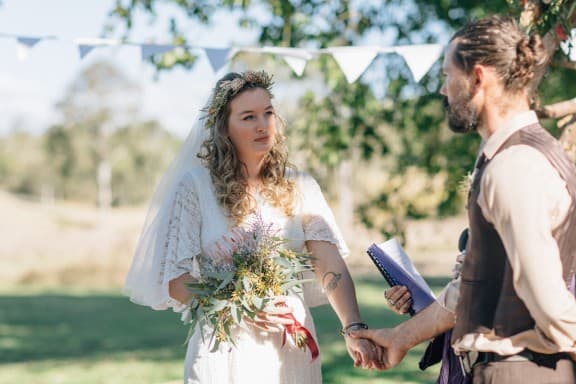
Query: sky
{"x":29,"y":89}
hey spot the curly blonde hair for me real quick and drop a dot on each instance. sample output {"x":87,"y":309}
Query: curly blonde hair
{"x":220,"y":156}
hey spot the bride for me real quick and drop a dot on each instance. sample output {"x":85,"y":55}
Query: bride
{"x":232,"y":168}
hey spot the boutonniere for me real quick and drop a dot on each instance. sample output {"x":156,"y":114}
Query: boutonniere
{"x":465,"y":184}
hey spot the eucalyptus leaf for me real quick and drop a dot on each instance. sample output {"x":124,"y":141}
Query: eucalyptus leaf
{"x":236,"y":314}
{"x":218,"y":305}
{"x":246,"y":283}
{"x":227,"y":280}
{"x":289,"y":284}
{"x":258,"y":302}
{"x":215,"y":346}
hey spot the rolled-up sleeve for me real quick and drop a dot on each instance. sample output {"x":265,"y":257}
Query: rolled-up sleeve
{"x":448,"y":297}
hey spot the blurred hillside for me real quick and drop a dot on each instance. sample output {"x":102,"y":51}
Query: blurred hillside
{"x":65,"y":243}
{"x":77,"y":245}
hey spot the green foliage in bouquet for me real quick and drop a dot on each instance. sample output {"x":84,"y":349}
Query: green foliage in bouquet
{"x":253,"y":268}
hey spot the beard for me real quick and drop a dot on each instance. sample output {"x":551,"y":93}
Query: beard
{"x":462,"y":117}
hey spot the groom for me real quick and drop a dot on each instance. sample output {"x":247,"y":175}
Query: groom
{"x":515,"y":318}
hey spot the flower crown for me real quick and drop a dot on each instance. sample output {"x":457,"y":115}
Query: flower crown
{"x":226,"y":90}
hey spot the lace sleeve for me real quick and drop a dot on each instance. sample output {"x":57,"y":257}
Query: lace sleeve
{"x":166,"y":248}
{"x":318,"y":220}
{"x":182,"y":240}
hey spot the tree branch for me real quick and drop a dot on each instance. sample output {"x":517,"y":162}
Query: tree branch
{"x":557,"y":110}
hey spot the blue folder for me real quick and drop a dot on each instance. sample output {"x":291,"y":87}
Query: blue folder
{"x":396,"y":275}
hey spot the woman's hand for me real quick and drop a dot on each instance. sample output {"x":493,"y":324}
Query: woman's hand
{"x":274,"y":316}
{"x":399,"y":299}
{"x":364,"y":353}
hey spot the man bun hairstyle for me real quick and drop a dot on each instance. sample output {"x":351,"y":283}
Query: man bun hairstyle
{"x":498,"y":42}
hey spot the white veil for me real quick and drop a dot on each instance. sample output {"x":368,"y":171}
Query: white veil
{"x":144,"y":283}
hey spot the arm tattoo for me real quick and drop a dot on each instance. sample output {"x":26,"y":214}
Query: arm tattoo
{"x":330,"y":280}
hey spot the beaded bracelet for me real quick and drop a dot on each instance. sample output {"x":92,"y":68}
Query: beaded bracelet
{"x":352,"y":327}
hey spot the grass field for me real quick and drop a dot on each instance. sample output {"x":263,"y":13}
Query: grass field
{"x":101,"y":338}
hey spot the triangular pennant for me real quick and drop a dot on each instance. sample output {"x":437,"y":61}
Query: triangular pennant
{"x":86,"y":45}
{"x":296,"y":58}
{"x":217,"y":56}
{"x":28,"y":41}
{"x":24,"y":45}
{"x":420,"y":58}
{"x":85,"y":49}
{"x":353,"y":61}
{"x":296,"y":63}
{"x":148,"y":50}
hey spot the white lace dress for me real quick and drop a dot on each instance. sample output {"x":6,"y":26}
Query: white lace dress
{"x":197,"y":222}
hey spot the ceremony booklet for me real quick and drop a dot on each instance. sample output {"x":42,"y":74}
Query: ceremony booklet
{"x":396,"y":267}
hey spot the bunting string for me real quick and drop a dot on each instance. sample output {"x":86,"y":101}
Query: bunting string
{"x":352,"y":60}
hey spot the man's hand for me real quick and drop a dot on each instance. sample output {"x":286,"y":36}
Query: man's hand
{"x":364,"y":353}
{"x":385,"y":338}
{"x":399,"y":299}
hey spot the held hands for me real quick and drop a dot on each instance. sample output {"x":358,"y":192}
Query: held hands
{"x":399,"y":299}
{"x":364,"y":353}
{"x":391,"y":352}
{"x":375,"y":349}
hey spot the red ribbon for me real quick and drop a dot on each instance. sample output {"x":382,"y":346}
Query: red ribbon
{"x":293,"y":330}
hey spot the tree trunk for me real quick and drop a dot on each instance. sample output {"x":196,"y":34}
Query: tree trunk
{"x":104,"y":179}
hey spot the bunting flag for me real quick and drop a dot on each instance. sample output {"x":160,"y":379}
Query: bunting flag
{"x":86,"y":45}
{"x":420,"y":58}
{"x":218,"y":57}
{"x":25,"y":44}
{"x":83,"y":49}
{"x":296,"y":58}
{"x":149,"y":50}
{"x":296,"y":64}
{"x":352,"y":60}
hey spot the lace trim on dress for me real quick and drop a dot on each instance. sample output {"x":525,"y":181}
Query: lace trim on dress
{"x":182,"y":241}
{"x":317,"y":228}
{"x":317,"y":218}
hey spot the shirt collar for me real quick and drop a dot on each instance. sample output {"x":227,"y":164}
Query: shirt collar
{"x":514,"y":124}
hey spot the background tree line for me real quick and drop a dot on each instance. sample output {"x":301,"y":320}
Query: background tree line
{"x":101,"y":152}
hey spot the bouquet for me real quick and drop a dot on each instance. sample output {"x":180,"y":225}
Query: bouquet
{"x":241,"y":278}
